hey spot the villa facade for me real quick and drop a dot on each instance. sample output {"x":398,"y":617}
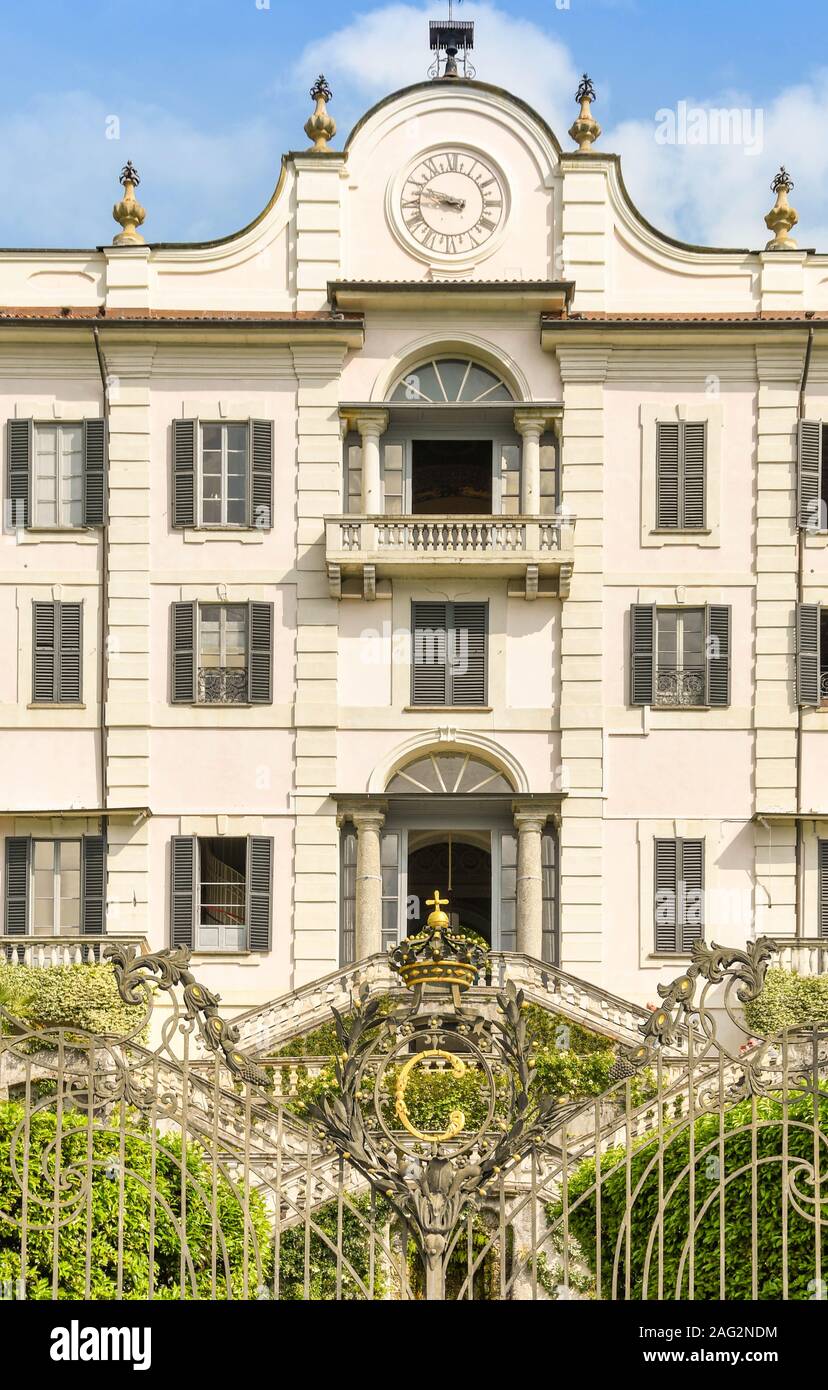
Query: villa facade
{"x":447,"y":527}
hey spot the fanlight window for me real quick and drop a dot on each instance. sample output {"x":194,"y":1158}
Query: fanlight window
{"x":451,"y":381}
{"x":451,"y":773}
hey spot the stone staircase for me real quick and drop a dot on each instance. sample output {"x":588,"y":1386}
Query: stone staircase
{"x":266,"y":1029}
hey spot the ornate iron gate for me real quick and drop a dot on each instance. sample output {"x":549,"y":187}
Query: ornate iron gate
{"x":176,"y":1171}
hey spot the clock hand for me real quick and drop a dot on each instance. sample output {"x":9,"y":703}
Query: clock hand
{"x":445,"y":200}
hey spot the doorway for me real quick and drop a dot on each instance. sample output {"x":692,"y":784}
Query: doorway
{"x":462,"y":870}
{"x":451,"y":477}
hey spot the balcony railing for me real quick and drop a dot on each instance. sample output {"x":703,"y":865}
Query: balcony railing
{"x":62,"y":950}
{"x":680,"y":685}
{"x":804,"y":955}
{"x":376,"y":546}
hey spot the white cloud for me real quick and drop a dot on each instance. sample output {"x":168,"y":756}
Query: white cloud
{"x":55,"y":155}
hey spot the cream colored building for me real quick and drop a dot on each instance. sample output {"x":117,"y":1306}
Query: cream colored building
{"x":441,"y":528}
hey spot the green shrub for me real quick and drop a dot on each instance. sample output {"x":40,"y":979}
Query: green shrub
{"x":69,"y":996}
{"x":106,"y":1224}
{"x":787,"y":1000}
{"x":802,"y":1271}
{"x":356,"y":1253}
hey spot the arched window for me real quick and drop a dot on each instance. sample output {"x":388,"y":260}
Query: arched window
{"x":451,"y":381}
{"x":453,"y":774}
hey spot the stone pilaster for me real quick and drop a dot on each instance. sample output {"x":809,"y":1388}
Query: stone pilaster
{"x":583,"y":372}
{"x":127,"y":772}
{"x":318,"y":225}
{"x":316,"y":893}
{"x":529,"y":827}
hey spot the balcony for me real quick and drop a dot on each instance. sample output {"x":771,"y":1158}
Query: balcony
{"x":531,"y":548}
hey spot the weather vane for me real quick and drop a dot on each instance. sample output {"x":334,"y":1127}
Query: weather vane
{"x":451,"y":36}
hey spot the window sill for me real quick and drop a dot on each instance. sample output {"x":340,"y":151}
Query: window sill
{"x":199,"y":535}
{"x":224,"y":955}
{"x":38,"y":535}
{"x":447,"y":709}
{"x":681,"y":531}
{"x":56,"y":704}
{"x":670,"y":955}
{"x":688,"y":709}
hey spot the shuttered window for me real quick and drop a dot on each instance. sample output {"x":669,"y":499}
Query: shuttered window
{"x":222,"y":473}
{"x":449,"y":656}
{"x":678,"y":895}
{"x":812,"y":462}
{"x":681,"y":447}
{"x":57,"y":675}
{"x":55,"y":887}
{"x":222,"y":653}
{"x":811,"y":654}
{"x":822,"y":869}
{"x":221,"y":891}
{"x":56,"y":473}
{"x":680,"y":656}
{"x":347,"y":906}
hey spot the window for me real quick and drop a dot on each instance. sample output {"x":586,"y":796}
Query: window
{"x":222,"y":653}
{"x":812,"y":654}
{"x":449,"y":381}
{"x":55,"y":887}
{"x":813,"y":475}
{"x":222,"y":473}
{"x":680,"y":474}
{"x":680,"y":657}
{"x":221,"y":892}
{"x":449,"y":653}
{"x":679,"y":895}
{"x":56,"y":898}
{"x":680,"y":675}
{"x":57,"y":653}
{"x":56,"y":475}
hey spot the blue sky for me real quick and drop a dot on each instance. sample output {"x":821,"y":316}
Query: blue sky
{"x":207,"y":95}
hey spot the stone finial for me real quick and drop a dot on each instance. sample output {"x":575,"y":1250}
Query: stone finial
{"x":128,"y":211}
{"x":782,"y":216}
{"x":320,"y":127}
{"x":585,"y":129}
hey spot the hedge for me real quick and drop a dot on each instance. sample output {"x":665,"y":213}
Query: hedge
{"x":68,"y":996}
{"x":802,"y":1270}
{"x":105,"y":1225}
{"x":787,"y":1000}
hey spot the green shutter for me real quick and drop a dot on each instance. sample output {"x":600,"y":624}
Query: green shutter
{"x":16,"y":897}
{"x":259,"y":891}
{"x":691,"y":893}
{"x":809,"y":457}
{"x":668,"y":465}
{"x":183,"y":891}
{"x":642,"y":653}
{"x":93,"y":885}
{"x":69,"y":624}
{"x":429,"y":668}
{"x":94,"y":472}
{"x":183,"y":679}
{"x":19,"y":450}
{"x":185,"y":447}
{"x":45,"y":639}
{"x":260,"y":656}
{"x":822,"y":922}
{"x":261,"y":473}
{"x":468,"y":641}
{"x":694,"y":450}
{"x":808,"y":654}
{"x":666,"y":867}
{"x":717,"y":648}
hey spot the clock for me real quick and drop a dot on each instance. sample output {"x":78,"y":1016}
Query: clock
{"x":452,"y":203}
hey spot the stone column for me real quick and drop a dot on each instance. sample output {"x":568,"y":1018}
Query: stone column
{"x":530,"y":425}
{"x":368,"y":823}
{"x":372,"y":426}
{"x":529,"y":825}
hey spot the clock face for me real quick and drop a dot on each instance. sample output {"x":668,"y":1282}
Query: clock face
{"x":452,"y":203}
